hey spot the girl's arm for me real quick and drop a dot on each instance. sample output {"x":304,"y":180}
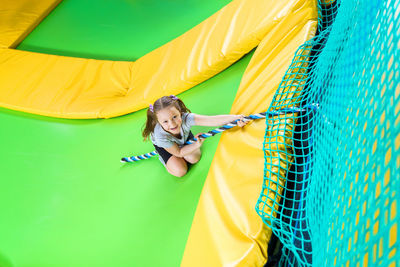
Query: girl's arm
{"x":217,"y":120}
{"x":181,"y":152}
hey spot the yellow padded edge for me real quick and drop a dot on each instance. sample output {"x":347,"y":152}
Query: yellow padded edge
{"x":226,"y":230}
{"x":19,"y":17}
{"x":173,"y":68}
{"x":60,"y":86}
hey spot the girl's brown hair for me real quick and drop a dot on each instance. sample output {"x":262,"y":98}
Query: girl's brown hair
{"x":160,"y":104}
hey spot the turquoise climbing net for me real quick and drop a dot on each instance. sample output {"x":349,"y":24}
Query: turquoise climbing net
{"x":331,"y":190}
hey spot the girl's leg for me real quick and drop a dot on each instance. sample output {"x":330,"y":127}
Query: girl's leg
{"x":176,"y":166}
{"x":194,"y":157}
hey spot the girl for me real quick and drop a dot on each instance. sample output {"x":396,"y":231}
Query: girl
{"x":168,"y":125}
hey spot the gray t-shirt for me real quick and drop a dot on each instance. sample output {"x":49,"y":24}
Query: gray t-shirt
{"x":164,"y":139}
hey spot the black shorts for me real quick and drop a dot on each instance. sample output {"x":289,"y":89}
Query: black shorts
{"x":164,"y":154}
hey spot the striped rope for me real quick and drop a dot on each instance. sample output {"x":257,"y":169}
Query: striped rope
{"x":227,"y":127}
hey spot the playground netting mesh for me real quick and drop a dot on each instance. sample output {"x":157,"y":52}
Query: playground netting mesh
{"x":334,"y":171}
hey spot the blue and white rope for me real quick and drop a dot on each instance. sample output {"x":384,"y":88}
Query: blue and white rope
{"x":227,"y":127}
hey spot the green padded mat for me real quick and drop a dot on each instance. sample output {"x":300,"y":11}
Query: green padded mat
{"x":118,"y":29}
{"x":65,"y":198}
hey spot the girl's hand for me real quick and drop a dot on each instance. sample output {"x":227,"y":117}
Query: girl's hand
{"x":241,"y":122}
{"x":199,"y":141}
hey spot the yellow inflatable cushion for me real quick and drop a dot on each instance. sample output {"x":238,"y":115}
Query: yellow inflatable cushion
{"x":226,"y":231}
{"x":19,"y":17}
{"x":85,"y":88}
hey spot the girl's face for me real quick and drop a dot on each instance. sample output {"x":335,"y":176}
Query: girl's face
{"x":170,"y":119}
